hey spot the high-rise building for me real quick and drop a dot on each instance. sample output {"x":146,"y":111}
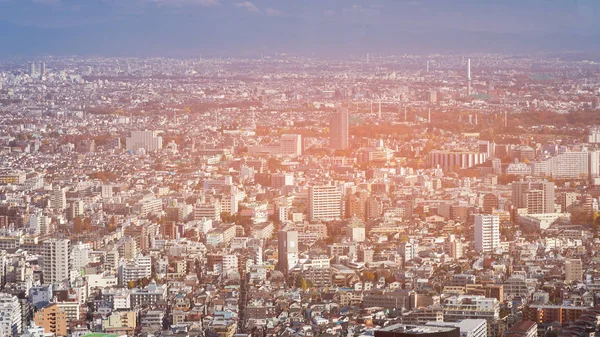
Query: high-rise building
{"x":536,"y":196}
{"x":469,"y":77}
{"x":59,"y":198}
{"x":32,"y":71}
{"x":453,"y":247}
{"x":573,"y":270}
{"x":324,"y":202}
{"x":287,"y":250}
{"x":10,"y":315}
{"x":80,"y":254}
{"x":147,"y":140}
{"x":338,"y":130}
{"x":487,"y":232}
{"x":42,"y":68}
{"x":57,"y":260}
{"x":76,"y":209}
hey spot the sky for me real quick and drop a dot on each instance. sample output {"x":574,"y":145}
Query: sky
{"x":192,"y":28}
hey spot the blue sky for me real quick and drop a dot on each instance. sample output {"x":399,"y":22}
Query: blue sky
{"x":212,"y":27}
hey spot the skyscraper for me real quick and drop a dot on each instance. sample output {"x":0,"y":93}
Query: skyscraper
{"x":324,"y":202}
{"x":32,"y":72}
{"x":287,"y":252}
{"x":42,"y":68}
{"x":59,"y":198}
{"x":487,"y":232}
{"x":536,"y":196}
{"x":57,"y":261}
{"x":338,"y":130}
{"x":469,"y":77}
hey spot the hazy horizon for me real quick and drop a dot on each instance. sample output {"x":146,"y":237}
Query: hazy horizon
{"x":324,"y":28}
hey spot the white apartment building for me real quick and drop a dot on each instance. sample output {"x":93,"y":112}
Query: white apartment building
{"x":487,"y":232}
{"x":324,"y":202}
{"x":10,"y":315}
{"x":57,"y":260}
{"x":457,"y":308}
{"x":147,"y":140}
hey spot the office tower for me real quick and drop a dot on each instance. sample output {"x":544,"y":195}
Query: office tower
{"x":324,"y":203}
{"x":536,"y":196}
{"x":32,"y":69}
{"x":42,"y":68}
{"x":290,"y":145}
{"x":469,"y":77}
{"x":287,"y":253}
{"x":147,"y":140}
{"x":10,"y":315}
{"x":573,"y":270}
{"x":57,"y":260}
{"x":338,"y":130}
{"x":59,"y":198}
{"x":487,"y":232}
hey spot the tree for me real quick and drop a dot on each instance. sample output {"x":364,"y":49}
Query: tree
{"x":301,"y":283}
{"x":368,"y":275}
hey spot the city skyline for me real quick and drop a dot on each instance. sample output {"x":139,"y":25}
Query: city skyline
{"x":186,"y":28}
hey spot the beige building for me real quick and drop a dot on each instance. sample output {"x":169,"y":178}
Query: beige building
{"x":573,"y":270}
{"x":126,"y":319}
{"x":52,"y":319}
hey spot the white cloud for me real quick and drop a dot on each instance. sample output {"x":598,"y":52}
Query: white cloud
{"x":248,"y":6}
{"x":273,"y":12}
{"x":204,"y":3}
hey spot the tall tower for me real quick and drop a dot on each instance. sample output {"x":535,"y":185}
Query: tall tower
{"x":32,"y":69}
{"x":469,"y":77}
{"x":487,"y":232}
{"x":57,"y":260}
{"x":42,"y":68}
{"x":287,"y":250}
{"x":338,"y":130}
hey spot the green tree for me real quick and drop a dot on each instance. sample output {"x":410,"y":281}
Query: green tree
{"x":301,"y":283}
